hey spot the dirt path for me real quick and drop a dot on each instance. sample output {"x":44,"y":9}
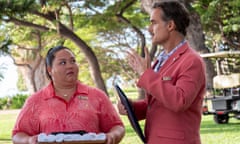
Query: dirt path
{"x":9,"y":111}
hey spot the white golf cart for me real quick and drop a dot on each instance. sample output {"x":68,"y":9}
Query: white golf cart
{"x":223,"y":101}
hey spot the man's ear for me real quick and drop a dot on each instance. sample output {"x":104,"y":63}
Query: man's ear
{"x":171,"y":25}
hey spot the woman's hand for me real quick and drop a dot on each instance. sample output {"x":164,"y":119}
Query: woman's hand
{"x":20,"y":138}
{"x":32,"y":140}
{"x":115,"y":135}
{"x":110,"y":138}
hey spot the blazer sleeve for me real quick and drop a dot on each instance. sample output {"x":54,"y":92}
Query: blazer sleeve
{"x":140,"y":109}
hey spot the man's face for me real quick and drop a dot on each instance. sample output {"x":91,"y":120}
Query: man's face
{"x":158,"y":28}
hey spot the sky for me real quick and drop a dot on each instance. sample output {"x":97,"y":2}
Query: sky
{"x":8,"y":86}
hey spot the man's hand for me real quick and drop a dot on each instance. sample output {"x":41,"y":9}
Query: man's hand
{"x":138,"y":63}
{"x":121,"y":108}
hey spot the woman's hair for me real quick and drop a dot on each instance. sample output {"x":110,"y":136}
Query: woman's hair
{"x":51,"y":56}
{"x":173,"y":10}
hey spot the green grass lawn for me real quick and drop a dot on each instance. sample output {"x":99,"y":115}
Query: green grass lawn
{"x":7,"y":121}
{"x":211,"y":133}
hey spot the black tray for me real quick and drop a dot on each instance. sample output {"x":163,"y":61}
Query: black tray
{"x":131,"y":116}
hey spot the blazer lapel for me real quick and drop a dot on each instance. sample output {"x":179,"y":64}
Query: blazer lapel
{"x":174,"y":57}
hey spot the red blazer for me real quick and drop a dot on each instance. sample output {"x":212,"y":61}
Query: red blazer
{"x":173,"y":103}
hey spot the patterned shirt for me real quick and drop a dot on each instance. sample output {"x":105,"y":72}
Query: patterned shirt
{"x":89,"y":109}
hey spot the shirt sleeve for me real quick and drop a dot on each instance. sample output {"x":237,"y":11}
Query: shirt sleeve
{"x":108,"y":116}
{"x":26,"y":121}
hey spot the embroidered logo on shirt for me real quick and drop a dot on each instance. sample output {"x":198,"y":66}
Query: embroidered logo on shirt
{"x":84,"y":104}
{"x":82,"y":97}
{"x":167,"y":78}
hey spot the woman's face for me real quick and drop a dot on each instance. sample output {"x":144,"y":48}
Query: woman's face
{"x":64,"y":68}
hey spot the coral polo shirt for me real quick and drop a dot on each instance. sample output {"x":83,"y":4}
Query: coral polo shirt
{"x":89,"y":109}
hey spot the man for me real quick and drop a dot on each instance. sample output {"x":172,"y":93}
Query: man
{"x":174,"y":85}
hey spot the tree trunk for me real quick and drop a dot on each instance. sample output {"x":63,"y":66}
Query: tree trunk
{"x":196,"y":39}
{"x":35,"y":77}
{"x":40,"y":77}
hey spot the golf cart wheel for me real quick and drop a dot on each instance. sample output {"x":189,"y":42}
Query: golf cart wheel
{"x":221,"y":119}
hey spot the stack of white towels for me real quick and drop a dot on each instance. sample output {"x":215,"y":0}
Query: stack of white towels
{"x":43,"y":137}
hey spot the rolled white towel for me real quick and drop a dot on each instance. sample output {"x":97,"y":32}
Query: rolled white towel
{"x":42,"y":137}
{"x":59,"y":137}
{"x":101,"y":136}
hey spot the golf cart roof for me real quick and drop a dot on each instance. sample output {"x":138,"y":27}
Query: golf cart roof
{"x":226,"y":81}
{"x":221,"y":81}
{"x":222,"y":54}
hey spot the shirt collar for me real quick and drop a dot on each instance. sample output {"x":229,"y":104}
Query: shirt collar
{"x":50,"y":93}
{"x":165,"y":56}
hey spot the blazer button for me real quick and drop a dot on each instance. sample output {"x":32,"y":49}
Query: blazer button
{"x":149,"y":106}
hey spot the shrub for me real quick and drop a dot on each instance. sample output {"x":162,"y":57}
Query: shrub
{"x":3,"y":103}
{"x":18,"y":101}
{"x":14,"y":102}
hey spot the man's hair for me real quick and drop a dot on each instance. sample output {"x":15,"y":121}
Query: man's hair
{"x":173,"y":10}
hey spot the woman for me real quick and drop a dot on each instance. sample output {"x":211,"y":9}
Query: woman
{"x":66,"y":105}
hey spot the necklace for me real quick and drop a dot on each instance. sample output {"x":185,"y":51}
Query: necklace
{"x":65,"y":92}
